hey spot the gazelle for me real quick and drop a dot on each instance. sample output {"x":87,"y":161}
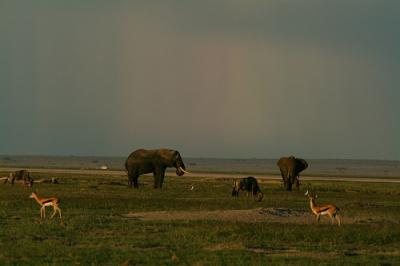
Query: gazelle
{"x":44,"y":202}
{"x":329,"y":209}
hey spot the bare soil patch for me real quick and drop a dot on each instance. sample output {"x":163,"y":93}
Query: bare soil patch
{"x":271,"y":252}
{"x":278,"y":215}
{"x":282,"y":215}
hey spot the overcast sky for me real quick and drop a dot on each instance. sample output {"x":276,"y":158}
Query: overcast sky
{"x":230,"y":79}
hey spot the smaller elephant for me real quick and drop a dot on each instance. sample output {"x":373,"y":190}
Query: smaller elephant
{"x":248,"y":184}
{"x":290,"y":168}
{"x":156,"y":161}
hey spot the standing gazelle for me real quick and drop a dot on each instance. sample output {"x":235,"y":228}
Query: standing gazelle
{"x":329,"y":209}
{"x":44,"y":202}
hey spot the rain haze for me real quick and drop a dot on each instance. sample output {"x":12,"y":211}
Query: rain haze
{"x":221,"y":79}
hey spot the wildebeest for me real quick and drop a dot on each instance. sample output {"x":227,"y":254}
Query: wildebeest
{"x":20,"y":175}
{"x":248,"y":184}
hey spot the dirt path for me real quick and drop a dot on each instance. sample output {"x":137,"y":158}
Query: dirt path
{"x":250,"y":216}
{"x":205,"y":175}
{"x":280,"y":215}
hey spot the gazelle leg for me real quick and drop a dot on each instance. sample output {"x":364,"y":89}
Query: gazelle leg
{"x":56,"y":209}
{"x":43,"y":212}
{"x":331,"y":216}
{"x":54,"y":212}
{"x":338,"y":219}
{"x":317,"y":218}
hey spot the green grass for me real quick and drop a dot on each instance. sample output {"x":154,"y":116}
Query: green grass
{"x":94,"y":232}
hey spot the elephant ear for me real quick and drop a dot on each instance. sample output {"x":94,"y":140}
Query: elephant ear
{"x":281,"y":161}
{"x":175,"y":155}
{"x":301,"y":164}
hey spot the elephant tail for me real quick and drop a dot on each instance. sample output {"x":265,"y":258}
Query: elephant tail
{"x":126,"y":167}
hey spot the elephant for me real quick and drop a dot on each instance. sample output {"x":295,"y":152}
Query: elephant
{"x":290,"y":168}
{"x":154,"y":161}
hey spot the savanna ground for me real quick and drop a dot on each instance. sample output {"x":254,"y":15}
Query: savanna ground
{"x":106,"y":223}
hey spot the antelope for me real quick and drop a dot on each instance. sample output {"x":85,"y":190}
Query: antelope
{"x":44,"y":202}
{"x":329,"y":209}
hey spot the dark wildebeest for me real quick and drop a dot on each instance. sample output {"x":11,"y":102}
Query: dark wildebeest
{"x":248,"y":184}
{"x":20,"y":175}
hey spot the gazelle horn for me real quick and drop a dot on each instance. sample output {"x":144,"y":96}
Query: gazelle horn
{"x":183,"y":170}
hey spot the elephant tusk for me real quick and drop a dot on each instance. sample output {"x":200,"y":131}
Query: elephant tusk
{"x":183,"y":170}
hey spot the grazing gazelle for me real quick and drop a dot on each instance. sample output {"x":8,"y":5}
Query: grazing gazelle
{"x":44,"y":202}
{"x":329,"y":209}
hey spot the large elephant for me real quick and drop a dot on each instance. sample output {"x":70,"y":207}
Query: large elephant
{"x":290,"y":168}
{"x":156,"y":161}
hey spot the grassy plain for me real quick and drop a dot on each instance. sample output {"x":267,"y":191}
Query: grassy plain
{"x":95,"y":230}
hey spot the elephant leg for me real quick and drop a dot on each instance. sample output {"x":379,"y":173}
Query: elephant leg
{"x":289,"y":185}
{"x":159,"y":177}
{"x":133,"y":179}
{"x":283,"y":178}
{"x":297,"y":183}
{"x":129,"y":173}
{"x":130,"y":181}
{"x":155,"y":175}
{"x":161,"y":180}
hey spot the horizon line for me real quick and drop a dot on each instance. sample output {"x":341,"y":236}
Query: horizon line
{"x":199,"y":157}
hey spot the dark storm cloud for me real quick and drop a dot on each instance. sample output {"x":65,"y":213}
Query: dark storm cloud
{"x":211,"y":78}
